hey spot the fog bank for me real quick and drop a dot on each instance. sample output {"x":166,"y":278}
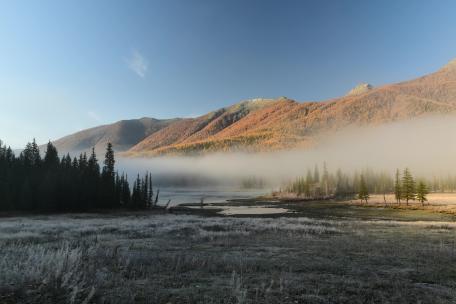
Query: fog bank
{"x":427,"y":146}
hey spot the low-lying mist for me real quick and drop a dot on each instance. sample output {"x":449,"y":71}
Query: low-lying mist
{"x":427,"y":146}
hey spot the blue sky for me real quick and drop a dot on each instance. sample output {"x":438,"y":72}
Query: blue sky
{"x":70,"y":65}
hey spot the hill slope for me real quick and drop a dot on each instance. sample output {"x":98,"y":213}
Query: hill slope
{"x":271,"y":124}
{"x":123,"y":135}
{"x":285,"y":123}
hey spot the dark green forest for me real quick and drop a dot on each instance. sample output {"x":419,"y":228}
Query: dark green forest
{"x":32,"y":182}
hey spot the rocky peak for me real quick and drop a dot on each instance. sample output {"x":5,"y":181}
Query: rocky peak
{"x":451,"y":64}
{"x":360,"y":89}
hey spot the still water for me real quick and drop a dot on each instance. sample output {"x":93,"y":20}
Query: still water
{"x":215,"y":194}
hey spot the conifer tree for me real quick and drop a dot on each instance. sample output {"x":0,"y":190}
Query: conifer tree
{"x":309,"y":178}
{"x":316,"y":177}
{"x":75,"y":163}
{"x":325,"y":179}
{"x":363,"y":193}
{"x":93,"y":166}
{"x":151,"y":192}
{"x":109,"y":162}
{"x":398,"y":187}
{"x":421,"y":192}
{"x":51,"y":157}
{"x":36,"y":156}
{"x":82,"y":164}
{"x":307,"y":188}
{"x":408,"y":186}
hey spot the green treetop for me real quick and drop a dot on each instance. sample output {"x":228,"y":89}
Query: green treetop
{"x":421,"y":192}
{"x":408,"y":186}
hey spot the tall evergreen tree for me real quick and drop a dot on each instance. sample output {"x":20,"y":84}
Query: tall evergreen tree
{"x":316,"y":177}
{"x":398,"y":187}
{"x":51,"y":157}
{"x":309,"y":177}
{"x":325,"y":179}
{"x":421,"y":192}
{"x":36,"y":156}
{"x":408,"y":186}
{"x":151,"y":192}
{"x":363,"y":193}
{"x":82,"y":161}
{"x":109,"y":162}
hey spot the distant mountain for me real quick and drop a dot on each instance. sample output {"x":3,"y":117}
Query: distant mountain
{"x":272,"y":124}
{"x":123,"y":135}
{"x":193,"y":131}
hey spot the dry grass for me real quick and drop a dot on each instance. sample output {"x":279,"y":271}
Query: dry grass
{"x":190,"y":259}
{"x":437,"y":202}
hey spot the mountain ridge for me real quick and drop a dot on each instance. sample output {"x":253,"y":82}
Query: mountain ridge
{"x":272,"y":124}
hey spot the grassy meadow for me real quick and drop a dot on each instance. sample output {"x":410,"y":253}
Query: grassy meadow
{"x":318,"y":252}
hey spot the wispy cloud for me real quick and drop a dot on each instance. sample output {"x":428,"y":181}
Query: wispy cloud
{"x":94,"y":116}
{"x":137,"y":63}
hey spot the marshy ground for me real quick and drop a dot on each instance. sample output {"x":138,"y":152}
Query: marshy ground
{"x":318,"y":252}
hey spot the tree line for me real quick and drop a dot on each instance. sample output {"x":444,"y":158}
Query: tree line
{"x":30,"y":182}
{"x":406,"y":188}
{"x":323,"y":184}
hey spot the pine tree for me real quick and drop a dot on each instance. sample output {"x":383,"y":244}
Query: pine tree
{"x":151,"y":191}
{"x":421,"y":192}
{"x":408,"y":186}
{"x":125,"y":196}
{"x":82,"y":164}
{"x":75,"y":163}
{"x":109,"y":162}
{"x":26,"y":157}
{"x":363,"y":193}
{"x":92,"y":163}
{"x":309,"y":178}
{"x":398,"y":187}
{"x":307,"y":188}
{"x":36,"y":156}
{"x":316,"y":177}
{"x":51,"y":157}
{"x":325,"y":179}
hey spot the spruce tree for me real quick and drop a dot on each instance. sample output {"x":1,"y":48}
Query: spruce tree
{"x":398,"y":187}
{"x":36,"y":156}
{"x":75,"y":163}
{"x":51,"y":157}
{"x":82,"y":165}
{"x":408,"y":186}
{"x":363,"y":193}
{"x":421,"y":192}
{"x":309,"y":178}
{"x":151,"y":191}
{"x":109,"y":162}
{"x":92,"y":163}
{"x":316,"y":177}
{"x":325,"y":179}
{"x":108,"y":187}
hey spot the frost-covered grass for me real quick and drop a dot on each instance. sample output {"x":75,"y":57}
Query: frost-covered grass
{"x":170,"y":258}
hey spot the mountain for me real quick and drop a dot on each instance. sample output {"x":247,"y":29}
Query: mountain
{"x":187,"y":132}
{"x":272,"y":124}
{"x":285,"y":123}
{"x":123,"y":135}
